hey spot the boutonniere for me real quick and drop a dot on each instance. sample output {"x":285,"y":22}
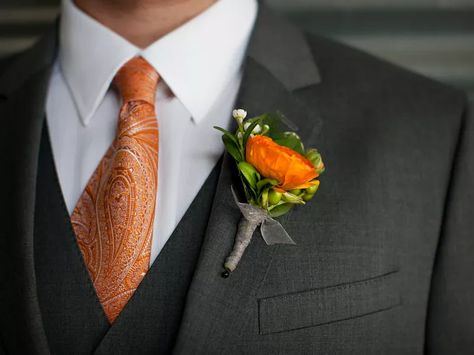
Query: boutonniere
{"x":276,"y":172}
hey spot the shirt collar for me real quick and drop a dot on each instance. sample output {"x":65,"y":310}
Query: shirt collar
{"x":197,"y":60}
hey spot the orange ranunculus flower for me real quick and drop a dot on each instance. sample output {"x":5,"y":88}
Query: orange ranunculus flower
{"x":289,"y":168}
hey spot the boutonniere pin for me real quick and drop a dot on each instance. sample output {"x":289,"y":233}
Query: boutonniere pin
{"x":276,"y":172}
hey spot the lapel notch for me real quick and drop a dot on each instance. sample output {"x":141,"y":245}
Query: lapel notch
{"x":282,"y":49}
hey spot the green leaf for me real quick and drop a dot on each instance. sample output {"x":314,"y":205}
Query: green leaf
{"x":280,"y":210}
{"x":315,"y":157}
{"x":250,"y":174}
{"x":292,"y":141}
{"x":228,"y":134}
{"x":232,"y":148}
{"x":249,"y":194}
{"x":262,"y":183}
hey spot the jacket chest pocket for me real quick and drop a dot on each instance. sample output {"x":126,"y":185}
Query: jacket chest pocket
{"x":329,"y":304}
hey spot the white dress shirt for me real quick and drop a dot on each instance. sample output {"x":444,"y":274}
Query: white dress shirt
{"x":200,"y":65}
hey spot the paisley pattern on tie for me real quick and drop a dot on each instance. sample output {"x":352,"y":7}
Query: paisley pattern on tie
{"x":113,"y":219}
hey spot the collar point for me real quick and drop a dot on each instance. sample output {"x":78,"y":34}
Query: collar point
{"x":85,"y":118}
{"x":197,"y":118}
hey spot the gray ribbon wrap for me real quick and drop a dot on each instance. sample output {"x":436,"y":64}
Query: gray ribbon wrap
{"x":272,"y":231}
{"x":252,"y":217}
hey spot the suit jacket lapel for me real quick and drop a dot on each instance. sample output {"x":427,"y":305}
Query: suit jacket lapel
{"x":23,"y":89}
{"x":270,"y":79}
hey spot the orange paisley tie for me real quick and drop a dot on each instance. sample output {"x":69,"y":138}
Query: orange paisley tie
{"x":113,"y":220}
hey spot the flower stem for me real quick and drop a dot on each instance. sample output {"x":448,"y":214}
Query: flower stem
{"x":244,"y":235}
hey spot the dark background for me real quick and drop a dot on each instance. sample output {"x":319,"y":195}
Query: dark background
{"x":432,"y":37}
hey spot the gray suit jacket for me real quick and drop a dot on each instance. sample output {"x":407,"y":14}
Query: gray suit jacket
{"x":384,"y":252}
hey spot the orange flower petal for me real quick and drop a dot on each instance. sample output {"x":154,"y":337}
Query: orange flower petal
{"x":289,"y":168}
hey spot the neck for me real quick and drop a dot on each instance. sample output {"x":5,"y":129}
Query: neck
{"x":142,"y":22}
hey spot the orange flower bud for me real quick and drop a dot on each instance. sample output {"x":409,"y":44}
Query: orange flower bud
{"x":289,"y":168}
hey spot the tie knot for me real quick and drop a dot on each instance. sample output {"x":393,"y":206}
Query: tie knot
{"x":137,"y":80}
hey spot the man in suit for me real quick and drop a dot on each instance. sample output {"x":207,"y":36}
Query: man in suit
{"x":383,"y":255}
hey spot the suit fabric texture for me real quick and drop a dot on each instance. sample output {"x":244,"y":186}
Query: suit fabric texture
{"x":384,"y":252}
